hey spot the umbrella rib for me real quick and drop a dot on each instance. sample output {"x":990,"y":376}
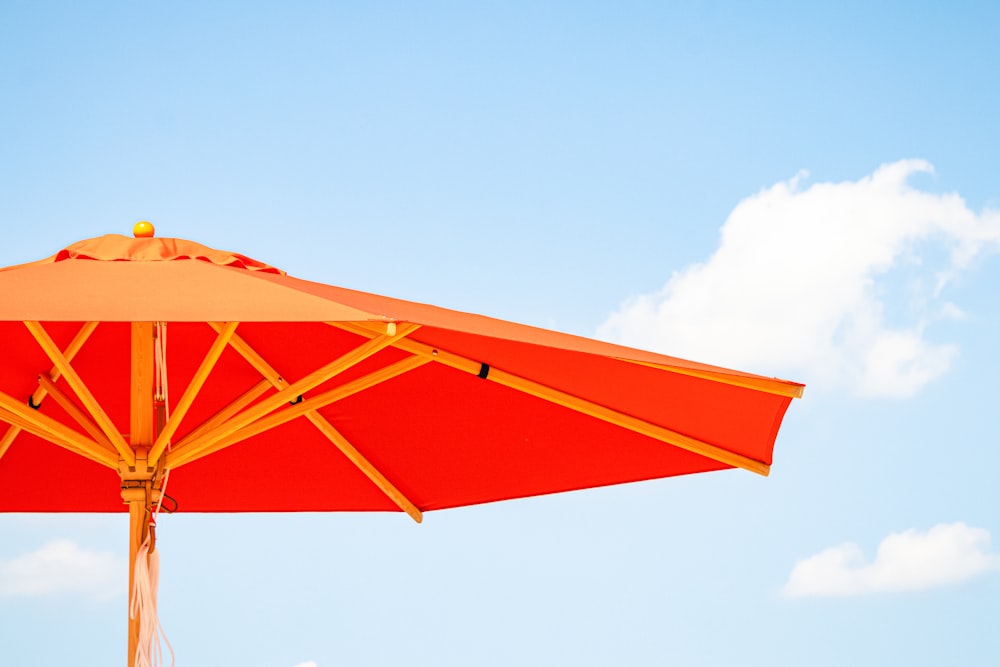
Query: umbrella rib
{"x":225,"y":333}
{"x":768,"y":385}
{"x":13,"y":430}
{"x":254,"y":359}
{"x":275,"y":419}
{"x":47,"y":428}
{"x":188,"y":447}
{"x":220,"y":417}
{"x":24,"y":425}
{"x":70,"y":352}
{"x":310,"y":411}
{"x":75,"y":412}
{"x":364,"y":465}
{"x":36,"y":398}
{"x":81,"y":390}
{"x":576,"y":403}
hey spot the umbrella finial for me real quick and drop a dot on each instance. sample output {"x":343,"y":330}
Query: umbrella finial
{"x":143,"y":230}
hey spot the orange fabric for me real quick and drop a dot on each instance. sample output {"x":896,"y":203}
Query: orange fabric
{"x":118,"y":248}
{"x":443,"y":437}
{"x":155,"y":280}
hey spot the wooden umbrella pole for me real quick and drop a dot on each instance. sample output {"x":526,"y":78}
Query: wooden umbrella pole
{"x":138,"y":531}
{"x":137,"y":491}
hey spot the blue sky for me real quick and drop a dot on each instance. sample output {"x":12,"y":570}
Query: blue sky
{"x":807,"y":191}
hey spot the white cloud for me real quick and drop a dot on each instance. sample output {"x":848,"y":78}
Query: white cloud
{"x":63,"y":567}
{"x":907,"y":561}
{"x":307,"y":664}
{"x":832,"y":284}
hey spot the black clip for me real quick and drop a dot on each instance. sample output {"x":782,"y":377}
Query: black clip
{"x":484,"y":371}
{"x":296,"y":401}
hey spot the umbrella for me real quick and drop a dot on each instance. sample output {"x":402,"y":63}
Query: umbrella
{"x":291,"y":395}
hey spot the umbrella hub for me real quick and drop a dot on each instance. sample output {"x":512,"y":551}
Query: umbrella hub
{"x":141,"y":482}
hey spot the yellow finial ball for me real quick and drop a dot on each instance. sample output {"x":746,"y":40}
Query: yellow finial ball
{"x":143,"y":230}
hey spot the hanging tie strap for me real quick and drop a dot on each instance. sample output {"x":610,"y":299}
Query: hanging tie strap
{"x":161,"y":399}
{"x":149,"y":651}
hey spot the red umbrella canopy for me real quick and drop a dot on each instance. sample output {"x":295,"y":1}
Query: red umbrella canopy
{"x":290,"y":395}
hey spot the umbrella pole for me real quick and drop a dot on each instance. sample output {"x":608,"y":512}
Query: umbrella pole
{"x":138,"y":530}
{"x":142,"y":436}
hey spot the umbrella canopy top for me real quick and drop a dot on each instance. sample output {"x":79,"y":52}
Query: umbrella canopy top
{"x":118,"y":248}
{"x":114,"y":278}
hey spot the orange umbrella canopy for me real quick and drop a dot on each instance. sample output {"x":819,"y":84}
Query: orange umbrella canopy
{"x":290,"y":395}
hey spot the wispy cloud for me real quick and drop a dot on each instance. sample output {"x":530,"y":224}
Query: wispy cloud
{"x":63,"y":567}
{"x":907,"y":561}
{"x":307,"y":664}
{"x":833,"y":284}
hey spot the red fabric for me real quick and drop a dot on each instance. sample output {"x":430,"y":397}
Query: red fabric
{"x":444,"y":437}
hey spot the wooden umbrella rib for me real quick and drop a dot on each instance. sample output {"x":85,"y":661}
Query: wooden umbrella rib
{"x":320,"y":401}
{"x":365,"y":466}
{"x":254,"y":359}
{"x":8,"y":438}
{"x":81,"y":390}
{"x":75,"y":412}
{"x":70,"y":352}
{"x":576,"y":403}
{"x":36,"y":398}
{"x":277,"y":418}
{"x":225,"y":332}
{"x":18,"y":422}
{"x":28,"y":427}
{"x":20,"y":415}
{"x":226,"y":413}
{"x":609,"y":415}
{"x":768,"y":385}
{"x":310,"y":411}
{"x":188,"y":447}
